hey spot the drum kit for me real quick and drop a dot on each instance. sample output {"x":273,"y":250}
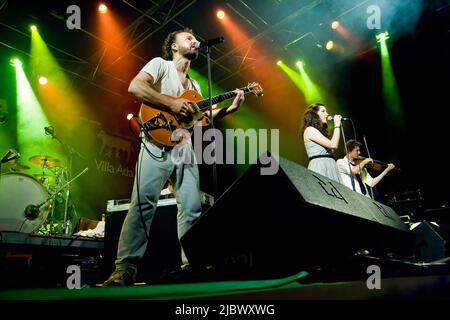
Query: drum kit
{"x":35,"y":203}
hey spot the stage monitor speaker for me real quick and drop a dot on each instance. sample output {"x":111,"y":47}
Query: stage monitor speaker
{"x":430,"y":242}
{"x":272,"y":225}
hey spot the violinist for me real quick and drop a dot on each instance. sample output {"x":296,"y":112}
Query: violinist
{"x":360,"y":180}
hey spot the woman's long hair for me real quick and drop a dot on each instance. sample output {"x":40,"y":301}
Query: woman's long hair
{"x":311,"y":119}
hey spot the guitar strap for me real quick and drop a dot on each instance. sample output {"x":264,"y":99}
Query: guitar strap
{"x":192,"y":83}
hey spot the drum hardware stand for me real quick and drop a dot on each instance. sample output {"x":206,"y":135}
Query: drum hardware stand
{"x":51,"y":131}
{"x":32,"y":211}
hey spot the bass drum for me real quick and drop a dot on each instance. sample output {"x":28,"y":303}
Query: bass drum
{"x":17,"y":191}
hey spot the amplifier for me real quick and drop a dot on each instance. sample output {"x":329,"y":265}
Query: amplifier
{"x":163,"y":250}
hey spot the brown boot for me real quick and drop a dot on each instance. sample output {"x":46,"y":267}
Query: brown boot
{"x":121,"y":278}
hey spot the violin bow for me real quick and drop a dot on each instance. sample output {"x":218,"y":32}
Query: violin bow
{"x":368,"y":154}
{"x":367,"y":148}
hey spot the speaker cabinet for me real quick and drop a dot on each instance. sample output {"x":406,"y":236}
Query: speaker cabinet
{"x":430,"y":242}
{"x":273,"y":225}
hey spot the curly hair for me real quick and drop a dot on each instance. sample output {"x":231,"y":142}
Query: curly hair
{"x":167,"y":44}
{"x":311,"y":119}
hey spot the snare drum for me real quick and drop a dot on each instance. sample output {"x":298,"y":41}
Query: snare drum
{"x":17,"y":191}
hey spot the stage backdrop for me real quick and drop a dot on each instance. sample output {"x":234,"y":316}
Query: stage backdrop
{"x":111,"y":160}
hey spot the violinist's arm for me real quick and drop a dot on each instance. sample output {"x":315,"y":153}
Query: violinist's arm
{"x":357,"y":169}
{"x":382,"y":175}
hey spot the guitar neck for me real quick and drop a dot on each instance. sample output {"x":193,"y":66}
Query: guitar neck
{"x":204,"y":104}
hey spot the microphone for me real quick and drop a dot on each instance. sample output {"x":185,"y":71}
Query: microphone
{"x":10,"y":155}
{"x":209,"y":43}
{"x":49,"y":130}
{"x":330,"y":118}
{"x":31,"y":212}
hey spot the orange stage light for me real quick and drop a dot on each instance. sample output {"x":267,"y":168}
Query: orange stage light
{"x":220,"y":14}
{"x":335,"y":25}
{"x":102,"y":8}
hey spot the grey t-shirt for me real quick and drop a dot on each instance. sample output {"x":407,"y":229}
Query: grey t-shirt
{"x":166,"y":77}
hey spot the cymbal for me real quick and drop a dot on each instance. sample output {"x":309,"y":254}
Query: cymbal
{"x":15,"y":166}
{"x":47,"y":161}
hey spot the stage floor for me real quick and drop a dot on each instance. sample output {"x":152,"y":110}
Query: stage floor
{"x":295,"y":287}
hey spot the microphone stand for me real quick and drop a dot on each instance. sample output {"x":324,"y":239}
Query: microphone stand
{"x":35,"y":208}
{"x":208,"y":59}
{"x":6,"y":158}
{"x":352,"y":179}
{"x":72,"y":152}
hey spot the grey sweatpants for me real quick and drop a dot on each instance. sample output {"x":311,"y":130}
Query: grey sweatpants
{"x":155,"y":167}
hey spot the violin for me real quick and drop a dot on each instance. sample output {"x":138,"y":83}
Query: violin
{"x":375,"y":165}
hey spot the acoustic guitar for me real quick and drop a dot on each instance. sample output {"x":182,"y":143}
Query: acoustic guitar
{"x":162,"y":126}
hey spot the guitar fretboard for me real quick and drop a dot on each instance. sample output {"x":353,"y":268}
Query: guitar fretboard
{"x":204,"y":104}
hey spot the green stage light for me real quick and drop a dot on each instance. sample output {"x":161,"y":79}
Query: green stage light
{"x":390,"y":88}
{"x":42,"y":62}
{"x":31,"y":120}
{"x":33,"y":28}
{"x":382,"y":37}
{"x":279,"y":63}
{"x":303,"y":82}
{"x":16,"y":63}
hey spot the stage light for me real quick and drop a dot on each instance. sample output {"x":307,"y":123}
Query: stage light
{"x":382,"y":37}
{"x":16,"y":62}
{"x":130,"y":116}
{"x":43,"y":80}
{"x":33,"y":28}
{"x":29,"y":115}
{"x":220,"y":14}
{"x":279,"y":63}
{"x":330,"y":45}
{"x":303,"y":82}
{"x":102,"y":8}
{"x":335,"y":25}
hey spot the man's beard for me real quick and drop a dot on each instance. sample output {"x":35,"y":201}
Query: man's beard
{"x":191,"y":56}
